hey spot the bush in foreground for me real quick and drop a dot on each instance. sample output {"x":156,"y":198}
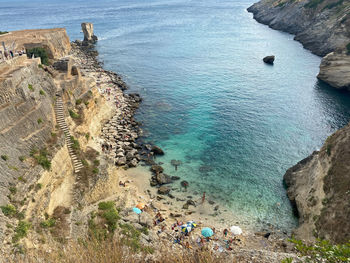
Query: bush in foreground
{"x":322,"y":251}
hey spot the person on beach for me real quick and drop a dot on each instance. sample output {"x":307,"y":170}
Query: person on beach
{"x":225,"y":232}
{"x":203,"y":198}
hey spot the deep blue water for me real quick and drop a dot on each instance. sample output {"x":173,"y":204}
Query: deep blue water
{"x":235,"y":123}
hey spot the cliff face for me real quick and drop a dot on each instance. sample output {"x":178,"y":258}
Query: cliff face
{"x":319,"y":187}
{"x":55,"y":41}
{"x":335,"y":70}
{"x":322,"y":26}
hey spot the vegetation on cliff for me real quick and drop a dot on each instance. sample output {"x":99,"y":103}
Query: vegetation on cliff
{"x":39,"y":52}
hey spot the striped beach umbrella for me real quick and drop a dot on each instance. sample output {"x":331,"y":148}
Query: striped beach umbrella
{"x":192,"y":224}
{"x":186,"y":228}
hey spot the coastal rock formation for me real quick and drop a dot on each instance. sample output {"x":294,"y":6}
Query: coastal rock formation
{"x":322,"y":27}
{"x":335,"y":70}
{"x":269,"y":59}
{"x":54,"y":41}
{"x":88,"y":30}
{"x":319,"y":189}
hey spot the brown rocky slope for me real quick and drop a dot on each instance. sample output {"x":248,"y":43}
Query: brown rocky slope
{"x":319,"y":187}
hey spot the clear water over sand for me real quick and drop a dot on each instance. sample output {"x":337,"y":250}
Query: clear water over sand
{"x":235,"y":123}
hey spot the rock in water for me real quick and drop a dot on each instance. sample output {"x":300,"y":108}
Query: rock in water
{"x":88,"y":30}
{"x":157,"y":150}
{"x":163,"y":178}
{"x":163,"y":190}
{"x":269,"y":59}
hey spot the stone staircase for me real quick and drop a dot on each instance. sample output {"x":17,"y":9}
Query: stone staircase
{"x":63,"y":126}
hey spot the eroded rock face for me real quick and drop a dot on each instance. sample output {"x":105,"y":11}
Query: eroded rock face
{"x":88,"y":30}
{"x":335,"y":70}
{"x":54,"y":41}
{"x":318,"y":187}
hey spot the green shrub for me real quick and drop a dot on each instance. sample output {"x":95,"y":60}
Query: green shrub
{"x":78,"y":102}
{"x":38,"y":186}
{"x":30,"y":87}
{"x":334,"y":4}
{"x":73,"y":114}
{"x":323,"y":251}
{"x":313,"y":3}
{"x":22,"y":158}
{"x":96,"y":162}
{"x":21,"y":230}
{"x":348,"y":48}
{"x":3,"y":32}
{"x":106,"y":205}
{"x":39,"y":52}
{"x":8,"y":210}
{"x":75,"y":143}
{"x":95,"y":170}
{"x":42,"y":92}
{"x":48,"y":223}
{"x":40,"y":66}
{"x":40,"y":121}
{"x":4,"y":157}
{"x":84,"y":162}
{"x":87,"y":136}
{"x":21,"y":179}
{"x":42,"y":158}
{"x":13,"y":190}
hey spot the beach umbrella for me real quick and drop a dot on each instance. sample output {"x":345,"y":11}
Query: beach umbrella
{"x":140,"y":206}
{"x":186,"y":228}
{"x":207,"y":232}
{"x":192,"y":224}
{"x":236,"y":230}
{"x":137,"y":210}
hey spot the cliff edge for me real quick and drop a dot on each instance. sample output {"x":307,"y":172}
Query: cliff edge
{"x":322,"y":26}
{"x":319,"y":188}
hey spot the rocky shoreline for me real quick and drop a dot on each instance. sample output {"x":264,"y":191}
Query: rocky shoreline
{"x":320,"y":26}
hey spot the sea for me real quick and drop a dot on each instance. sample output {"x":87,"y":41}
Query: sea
{"x":235,"y":123}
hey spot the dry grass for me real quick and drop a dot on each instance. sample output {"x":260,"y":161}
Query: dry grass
{"x":109,"y":252}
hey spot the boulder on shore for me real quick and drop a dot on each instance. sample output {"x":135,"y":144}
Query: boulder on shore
{"x":269,"y":59}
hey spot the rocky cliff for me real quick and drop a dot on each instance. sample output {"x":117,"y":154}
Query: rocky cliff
{"x":55,"y":41}
{"x":322,"y":26}
{"x":335,"y":69}
{"x":319,"y":187}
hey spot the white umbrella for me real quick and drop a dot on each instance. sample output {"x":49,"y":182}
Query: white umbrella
{"x":236,"y":230}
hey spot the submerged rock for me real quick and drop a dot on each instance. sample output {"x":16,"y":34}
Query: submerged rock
{"x":163,"y":178}
{"x":163,"y":190}
{"x":269,"y":59}
{"x":157,"y":169}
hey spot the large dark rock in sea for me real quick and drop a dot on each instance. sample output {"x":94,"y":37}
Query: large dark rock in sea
{"x":157,"y":150}
{"x":269,"y":59}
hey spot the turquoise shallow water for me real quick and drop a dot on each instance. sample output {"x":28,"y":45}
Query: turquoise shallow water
{"x":235,"y":123}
